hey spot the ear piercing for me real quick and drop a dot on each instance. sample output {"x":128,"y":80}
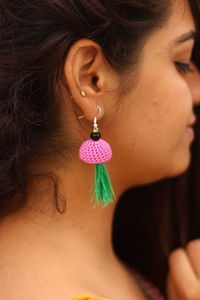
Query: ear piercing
{"x":83,"y":93}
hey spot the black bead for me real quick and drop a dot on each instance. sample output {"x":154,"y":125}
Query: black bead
{"x":95,"y":136}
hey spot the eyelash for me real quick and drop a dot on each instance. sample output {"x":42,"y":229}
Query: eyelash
{"x":183,"y":67}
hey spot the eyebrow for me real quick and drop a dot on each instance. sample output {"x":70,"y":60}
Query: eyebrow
{"x":191,"y":35}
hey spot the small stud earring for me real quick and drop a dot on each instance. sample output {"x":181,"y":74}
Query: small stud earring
{"x":83,"y":94}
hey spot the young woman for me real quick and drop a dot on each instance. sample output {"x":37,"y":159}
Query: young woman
{"x":66,"y":67}
{"x":166,"y":232}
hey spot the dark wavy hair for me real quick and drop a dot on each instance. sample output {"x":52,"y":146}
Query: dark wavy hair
{"x":35,"y":37}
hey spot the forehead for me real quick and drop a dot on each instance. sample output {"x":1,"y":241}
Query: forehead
{"x":181,"y":18}
{"x":180,"y":21}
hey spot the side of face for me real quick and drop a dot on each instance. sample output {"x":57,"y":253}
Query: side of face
{"x":151,"y":139}
{"x":147,"y":126}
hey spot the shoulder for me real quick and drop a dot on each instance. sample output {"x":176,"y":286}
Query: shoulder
{"x":20,"y":287}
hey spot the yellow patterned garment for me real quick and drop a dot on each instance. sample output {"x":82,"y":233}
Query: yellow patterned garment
{"x":87,"y":297}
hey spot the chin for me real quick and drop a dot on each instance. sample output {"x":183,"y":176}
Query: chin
{"x":177,"y":167}
{"x":181,"y":165}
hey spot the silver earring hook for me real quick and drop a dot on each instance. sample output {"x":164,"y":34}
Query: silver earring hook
{"x":96,"y":129}
{"x":99,"y":108}
{"x":80,"y":117}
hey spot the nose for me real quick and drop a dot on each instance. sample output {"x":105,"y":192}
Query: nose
{"x":193,"y":81}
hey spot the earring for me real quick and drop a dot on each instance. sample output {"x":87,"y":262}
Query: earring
{"x":80,"y":117}
{"x":83,"y":93}
{"x":97,"y":151}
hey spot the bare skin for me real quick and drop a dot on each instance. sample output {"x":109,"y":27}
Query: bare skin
{"x":45,"y":255}
{"x":183,"y":279}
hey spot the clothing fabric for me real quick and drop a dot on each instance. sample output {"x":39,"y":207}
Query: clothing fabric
{"x":150,"y":290}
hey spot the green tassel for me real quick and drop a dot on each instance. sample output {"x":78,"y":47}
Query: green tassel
{"x":103,"y":191}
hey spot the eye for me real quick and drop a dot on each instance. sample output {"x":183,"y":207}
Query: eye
{"x":183,"y":67}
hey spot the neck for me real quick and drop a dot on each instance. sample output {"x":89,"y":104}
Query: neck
{"x":81,"y":226}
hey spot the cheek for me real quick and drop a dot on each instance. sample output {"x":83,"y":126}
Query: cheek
{"x":148,"y":134}
{"x":151,"y":126}
{"x":166,"y":108}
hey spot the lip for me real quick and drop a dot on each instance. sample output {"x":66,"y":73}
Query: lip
{"x":190,"y":131}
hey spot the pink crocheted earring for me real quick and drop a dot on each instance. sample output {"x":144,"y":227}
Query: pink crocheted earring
{"x":97,"y":151}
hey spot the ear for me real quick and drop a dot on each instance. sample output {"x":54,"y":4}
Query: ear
{"x":87,"y":74}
